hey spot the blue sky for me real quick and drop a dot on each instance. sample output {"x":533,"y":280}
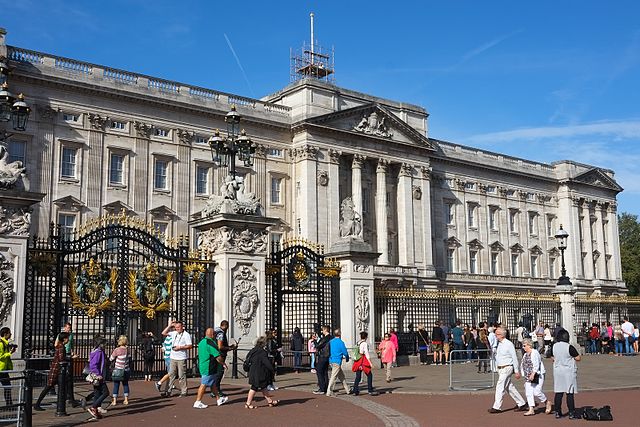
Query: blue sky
{"x":545,"y":80}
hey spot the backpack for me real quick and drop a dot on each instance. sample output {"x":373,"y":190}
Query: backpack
{"x":594,"y":414}
{"x":246,"y":365}
{"x":356,"y":353}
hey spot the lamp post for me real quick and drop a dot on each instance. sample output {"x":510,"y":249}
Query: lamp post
{"x":561,"y":237}
{"x":225,"y":149}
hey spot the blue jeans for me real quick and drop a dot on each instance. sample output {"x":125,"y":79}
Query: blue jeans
{"x":297,"y":359}
{"x":594,"y":346}
{"x":125,"y":386}
{"x":356,"y":382}
{"x":457,"y":355}
{"x":469,"y":351}
{"x":313,"y":360}
{"x":619,"y":347}
{"x":628,"y":345}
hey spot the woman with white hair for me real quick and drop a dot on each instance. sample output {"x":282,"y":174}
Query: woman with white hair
{"x":532,"y":370}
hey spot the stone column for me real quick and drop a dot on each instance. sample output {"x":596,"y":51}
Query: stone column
{"x":587,"y":240}
{"x":95,"y":165}
{"x":568,"y":218}
{"x":260,"y":162}
{"x":568,"y":308}
{"x":141,"y":168}
{"x":307,"y":167}
{"x":405,"y":216}
{"x":427,"y":232}
{"x":382,"y":227}
{"x":333,"y":197}
{"x":614,"y":241}
{"x":182,"y":179}
{"x":356,"y":183}
{"x":43,"y":176}
{"x":600,"y":262}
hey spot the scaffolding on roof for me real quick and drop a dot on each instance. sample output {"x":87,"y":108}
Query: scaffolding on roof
{"x":312,"y":61}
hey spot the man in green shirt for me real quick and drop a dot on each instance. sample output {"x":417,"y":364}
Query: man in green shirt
{"x":211,"y":364}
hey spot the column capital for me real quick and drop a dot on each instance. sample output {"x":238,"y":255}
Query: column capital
{"x":383,"y":166}
{"x":143,"y":130}
{"x":306,"y":152}
{"x":184,"y":136}
{"x":261,"y":151}
{"x":46,"y":113}
{"x":612,"y":207}
{"x":334,"y":156}
{"x":406,"y":170}
{"x":358,"y":159}
{"x":425,"y":171}
{"x":97,"y":121}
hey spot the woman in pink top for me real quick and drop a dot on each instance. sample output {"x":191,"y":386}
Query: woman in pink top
{"x":387,"y":354}
{"x":311,"y":347}
{"x":121,"y":366}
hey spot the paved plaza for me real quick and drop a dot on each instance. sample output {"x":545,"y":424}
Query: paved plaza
{"x":418,"y":395}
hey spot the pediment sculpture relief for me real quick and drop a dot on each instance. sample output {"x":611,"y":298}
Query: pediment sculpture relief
{"x":373,"y":125}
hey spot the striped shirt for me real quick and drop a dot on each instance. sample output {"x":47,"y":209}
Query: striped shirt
{"x":167,"y":345}
{"x":120,"y":356}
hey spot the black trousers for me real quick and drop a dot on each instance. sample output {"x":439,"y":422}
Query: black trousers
{"x":322,"y":371}
{"x":5,"y":381}
{"x":557,"y":403}
{"x":423,"y":356}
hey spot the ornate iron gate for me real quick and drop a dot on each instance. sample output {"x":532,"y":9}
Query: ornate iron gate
{"x":114,"y":277}
{"x":302,"y":291}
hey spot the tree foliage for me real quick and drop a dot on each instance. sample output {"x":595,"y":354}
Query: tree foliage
{"x":629,"y":228}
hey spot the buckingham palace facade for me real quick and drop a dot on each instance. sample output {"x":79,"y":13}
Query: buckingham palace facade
{"x":440,"y":215}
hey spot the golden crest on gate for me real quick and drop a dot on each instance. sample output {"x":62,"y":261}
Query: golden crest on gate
{"x":150,"y":289}
{"x":92,"y":288}
{"x":298,"y":271}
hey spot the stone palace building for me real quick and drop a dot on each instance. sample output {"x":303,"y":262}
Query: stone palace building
{"x":441,"y":215}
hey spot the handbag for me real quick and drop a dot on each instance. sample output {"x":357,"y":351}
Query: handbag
{"x":85,"y":370}
{"x":117,"y":374}
{"x":93,"y":379}
{"x":536,"y":379}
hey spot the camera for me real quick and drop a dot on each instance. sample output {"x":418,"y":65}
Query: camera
{"x":13,"y":347}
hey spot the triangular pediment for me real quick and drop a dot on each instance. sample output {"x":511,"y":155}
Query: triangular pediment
{"x":496,"y":247}
{"x":517,"y":248}
{"x":597,"y":178}
{"x":117,"y":207}
{"x":162,"y":212}
{"x":536,"y":250}
{"x":70,"y":203}
{"x":371,"y":120}
{"x":476,"y":244}
{"x":453,"y":242}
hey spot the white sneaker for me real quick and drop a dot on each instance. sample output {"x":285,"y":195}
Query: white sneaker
{"x":102,"y":411}
{"x":199,"y":405}
{"x":222,"y":400}
{"x":270,"y":387}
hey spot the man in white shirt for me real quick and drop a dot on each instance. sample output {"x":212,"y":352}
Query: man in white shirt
{"x":507,"y":364}
{"x":493,"y":344}
{"x":627,"y":333}
{"x":178,"y":356}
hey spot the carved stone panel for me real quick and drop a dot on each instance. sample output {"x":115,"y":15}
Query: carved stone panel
{"x":323,"y":178}
{"x":362,"y":308}
{"x":7,"y":295}
{"x":245,"y":297}
{"x":15,"y":221}
{"x":228,"y":239}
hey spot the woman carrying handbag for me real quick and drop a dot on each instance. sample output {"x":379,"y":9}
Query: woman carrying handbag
{"x":97,"y":373}
{"x":120,"y":373}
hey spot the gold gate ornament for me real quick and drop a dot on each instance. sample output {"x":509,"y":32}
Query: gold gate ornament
{"x":93,"y":288}
{"x":150,"y":289}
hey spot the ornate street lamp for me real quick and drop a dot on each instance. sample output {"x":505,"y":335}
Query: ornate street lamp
{"x":16,"y":111}
{"x":561,"y":237}
{"x":4,"y":70}
{"x":225,"y":149}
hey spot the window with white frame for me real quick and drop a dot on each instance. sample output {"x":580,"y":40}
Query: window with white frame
{"x":160,"y":132}
{"x":275,"y":152}
{"x":276,"y":239}
{"x":513,"y":220}
{"x":494,"y":263}
{"x":471,"y":215}
{"x":16,"y":151}
{"x":511,"y":193}
{"x":449,"y":213}
{"x":515,"y":261}
{"x":550,"y":228}
{"x":201,"y":139}
{"x":202,"y":180}
{"x":161,"y":227}
{"x":451,"y":260}
{"x":531,"y":196}
{"x":118,"y":125}
{"x":552,"y":267}
{"x":276,"y":190}
{"x":67,"y":223}
{"x":533,"y":223}
{"x":160,"y":177}
{"x":116,"y":169}
{"x":470,"y":186}
{"x":70,"y":117}
{"x":473,"y":261}
{"x":68,"y":160}
{"x":491,"y":189}
{"x":493,"y":218}
{"x":534,"y":265}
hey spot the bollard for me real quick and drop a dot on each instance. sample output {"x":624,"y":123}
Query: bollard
{"x":234,"y":365}
{"x":61,"y":404}
{"x":28,"y":397}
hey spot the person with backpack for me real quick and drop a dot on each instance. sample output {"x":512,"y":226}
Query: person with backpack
{"x":147,"y":348}
{"x":362,"y":363}
{"x":261,"y":372}
{"x":296,"y":345}
{"x":323,"y":351}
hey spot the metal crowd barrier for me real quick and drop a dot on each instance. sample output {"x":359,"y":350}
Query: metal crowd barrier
{"x":17,"y":397}
{"x":471,"y":370}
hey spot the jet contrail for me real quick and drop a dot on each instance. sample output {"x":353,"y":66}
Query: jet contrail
{"x":239,"y":64}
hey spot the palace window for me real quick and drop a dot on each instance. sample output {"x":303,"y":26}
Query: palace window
{"x":515,"y":258}
{"x":471,"y":215}
{"x":275,"y":152}
{"x":68,"y":162}
{"x":70,"y":117}
{"x":276,"y":191}
{"x":67,"y":224}
{"x":116,"y":169}
{"x":491,"y":189}
{"x":16,"y":151}
{"x":493,"y":218}
{"x":494,"y":263}
{"x":201,"y":139}
{"x":202,"y":180}
{"x":533,"y":223}
{"x":449,"y":213}
{"x":473,"y":261}
{"x":160,"y":181}
{"x":534,"y":265}
{"x":161,"y":227}
{"x":550,"y":226}
{"x":513,"y":220}
{"x":118,"y":125}
{"x":552,"y":267}
{"x":160,"y":132}
{"x":471,"y":186}
{"x":451,"y":260}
